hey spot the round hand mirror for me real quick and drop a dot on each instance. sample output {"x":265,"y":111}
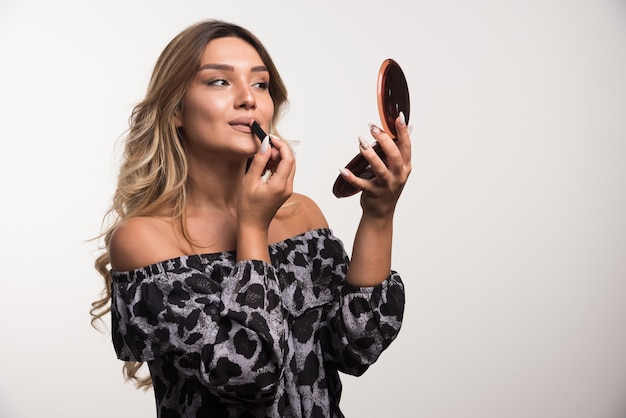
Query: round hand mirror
{"x":393,"y":98}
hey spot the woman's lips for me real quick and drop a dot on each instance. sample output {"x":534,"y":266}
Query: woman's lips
{"x":242,"y":124}
{"x":241,"y":128}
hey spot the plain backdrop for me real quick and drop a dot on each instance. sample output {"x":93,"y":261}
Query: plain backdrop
{"x":510,"y":235}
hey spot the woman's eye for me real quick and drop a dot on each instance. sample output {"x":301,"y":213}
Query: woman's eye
{"x":217,"y":82}
{"x":264,"y":85}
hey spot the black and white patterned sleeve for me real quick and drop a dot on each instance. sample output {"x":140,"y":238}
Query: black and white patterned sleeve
{"x":362,"y":323}
{"x":226,"y":327}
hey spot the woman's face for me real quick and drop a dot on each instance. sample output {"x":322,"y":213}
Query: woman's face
{"x":230,"y":89}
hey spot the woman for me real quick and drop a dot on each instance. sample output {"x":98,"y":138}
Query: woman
{"x":230,"y":286}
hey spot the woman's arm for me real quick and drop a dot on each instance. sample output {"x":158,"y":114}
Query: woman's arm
{"x":186,"y":308}
{"x":371,"y":254}
{"x":259,"y":200}
{"x":221,"y":323}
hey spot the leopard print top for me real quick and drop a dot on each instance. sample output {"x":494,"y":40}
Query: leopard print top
{"x":248,"y":339}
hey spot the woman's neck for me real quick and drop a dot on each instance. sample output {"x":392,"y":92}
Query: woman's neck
{"x":214,"y":185}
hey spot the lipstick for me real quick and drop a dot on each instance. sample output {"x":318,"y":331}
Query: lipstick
{"x":258,"y":131}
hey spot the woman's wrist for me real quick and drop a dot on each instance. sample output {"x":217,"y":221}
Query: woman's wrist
{"x":252,"y":243}
{"x":377,"y":220}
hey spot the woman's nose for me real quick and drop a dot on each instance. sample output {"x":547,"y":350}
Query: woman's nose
{"x":245,"y":97}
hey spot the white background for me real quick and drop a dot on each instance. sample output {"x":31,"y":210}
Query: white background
{"x":511,"y":234}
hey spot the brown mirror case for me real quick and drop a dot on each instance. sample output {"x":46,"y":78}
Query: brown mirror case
{"x":393,"y":98}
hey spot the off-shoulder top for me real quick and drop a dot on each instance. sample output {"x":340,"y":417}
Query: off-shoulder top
{"x":250,"y":339}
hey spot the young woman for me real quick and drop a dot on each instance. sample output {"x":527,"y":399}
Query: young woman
{"x":230,"y":286}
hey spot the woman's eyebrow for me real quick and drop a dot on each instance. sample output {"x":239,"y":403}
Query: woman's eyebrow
{"x":226,"y":67}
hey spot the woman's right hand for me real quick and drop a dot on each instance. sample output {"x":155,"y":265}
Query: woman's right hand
{"x":260,"y":197}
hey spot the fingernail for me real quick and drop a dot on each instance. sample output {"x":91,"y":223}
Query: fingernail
{"x":363,"y":143}
{"x":265,"y":145}
{"x":344,"y":172}
{"x":402,"y":118}
{"x":375,"y":129}
{"x":266,"y":176}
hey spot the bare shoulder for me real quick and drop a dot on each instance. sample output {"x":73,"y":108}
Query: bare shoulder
{"x":141,"y":241}
{"x":307,"y":211}
{"x":299,"y":214}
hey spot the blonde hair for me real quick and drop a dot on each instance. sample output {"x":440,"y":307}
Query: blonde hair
{"x":153,"y":172}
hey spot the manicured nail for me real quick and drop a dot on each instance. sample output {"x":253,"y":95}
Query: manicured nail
{"x":375,"y":129}
{"x":265,"y":145}
{"x":402,"y":118}
{"x":363,"y":143}
{"x":266,"y":176}
{"x":344,"y":172}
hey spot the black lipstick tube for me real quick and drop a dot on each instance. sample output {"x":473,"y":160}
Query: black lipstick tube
{"x":259,"y":132}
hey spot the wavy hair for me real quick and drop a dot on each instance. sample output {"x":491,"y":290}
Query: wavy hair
{"x":153,"y":171}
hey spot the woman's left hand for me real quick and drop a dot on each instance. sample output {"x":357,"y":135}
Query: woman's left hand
{"x":380,"y":194}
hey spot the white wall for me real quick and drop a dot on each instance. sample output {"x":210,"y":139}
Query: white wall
{"x":511,"y":235}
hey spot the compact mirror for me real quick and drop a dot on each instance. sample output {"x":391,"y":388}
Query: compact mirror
{"x":393,"y":98}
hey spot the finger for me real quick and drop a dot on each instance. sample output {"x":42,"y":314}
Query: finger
{"x":275,"y":157}
{"x":284,"y":183}
{"x":393,"y":156}
{"x":356,"y":181}
{"x":260,"y":159}
{"x":404,"y":137}
{"x":375,"y":163}
{"x":291,"y":177}
{"x":285,"y":163}
{"x":373,"y":156}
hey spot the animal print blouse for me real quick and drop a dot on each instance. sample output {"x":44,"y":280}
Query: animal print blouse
{"x":248,"y":339}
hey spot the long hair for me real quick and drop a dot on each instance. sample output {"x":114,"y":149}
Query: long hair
{"x":153,"y":171}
